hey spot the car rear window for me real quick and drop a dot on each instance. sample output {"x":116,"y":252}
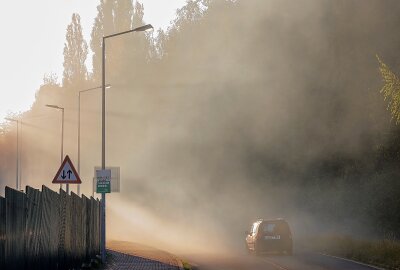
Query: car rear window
{"x":274,"y":228}
{"x":269,"y":227}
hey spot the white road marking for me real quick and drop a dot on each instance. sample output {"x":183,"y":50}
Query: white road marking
{"x":353,"y":261}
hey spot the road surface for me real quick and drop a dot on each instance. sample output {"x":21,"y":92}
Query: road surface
{"x":305,"y":261}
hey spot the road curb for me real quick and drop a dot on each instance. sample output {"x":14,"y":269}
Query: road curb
{"x":147,"y":257}
{"x":353,"y":261}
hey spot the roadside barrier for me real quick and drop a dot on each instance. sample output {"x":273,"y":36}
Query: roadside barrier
{"x":47,"y":230}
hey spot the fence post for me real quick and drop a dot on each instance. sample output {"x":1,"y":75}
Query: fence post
{"x":15,"y":228}
{"x":2,"y":232}
{"x":49,"y":228}
{"x":32,"y":230}
{"x":84,"y":235}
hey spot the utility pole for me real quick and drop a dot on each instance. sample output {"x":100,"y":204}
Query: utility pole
{"x":103,"y":133}
{"x":62,"y":136}
{"x":17,"y":184}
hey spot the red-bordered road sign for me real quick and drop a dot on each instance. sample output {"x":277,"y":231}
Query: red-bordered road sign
{"x":67,"y":173}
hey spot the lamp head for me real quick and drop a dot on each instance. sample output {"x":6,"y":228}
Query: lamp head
{"x":10,"y":119}
{"x":143,"y":28}
{"x":53,"y":106}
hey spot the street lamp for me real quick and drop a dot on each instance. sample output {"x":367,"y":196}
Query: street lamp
{"x":103,"y":131}
{"x":79,"y":129}
{"x":17,"y":184}
{"x":62,"y":135}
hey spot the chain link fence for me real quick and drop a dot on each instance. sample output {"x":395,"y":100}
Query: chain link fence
{"x":47,"y":230}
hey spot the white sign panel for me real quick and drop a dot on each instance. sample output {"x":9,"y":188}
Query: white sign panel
{"x":103,"y":175}
{"x":114,"y":181}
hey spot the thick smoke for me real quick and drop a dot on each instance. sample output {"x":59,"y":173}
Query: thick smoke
{"x":232,"y":123}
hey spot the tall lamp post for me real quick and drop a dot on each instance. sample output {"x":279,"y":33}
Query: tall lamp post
{"x":79,"y":130}
{"x":17,"y":184}
{"x":103,"y":133}
{"x":62,"y":136}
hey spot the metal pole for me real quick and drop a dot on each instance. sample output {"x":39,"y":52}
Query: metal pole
{"x":20,"y":158}
{"x":62,"y":141}
{"x":103,"y":153}
{"x":103,"y":133}
{"x":62,"y":132}
{"x":79,"y":130}
{"x":103,"y":109}
{"x":62,"y":135}
{"x":17,"y":186}
{"x":79,"y":142}
{"x":17,"y":173}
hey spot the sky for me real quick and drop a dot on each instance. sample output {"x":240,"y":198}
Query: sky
{"x":33,"y":36}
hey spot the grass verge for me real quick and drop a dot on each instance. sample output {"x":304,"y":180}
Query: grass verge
{"x":186,"y":265}
{"x":381,"y":253}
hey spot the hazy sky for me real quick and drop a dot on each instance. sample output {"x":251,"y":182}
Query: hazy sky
{"x":33,"y":36}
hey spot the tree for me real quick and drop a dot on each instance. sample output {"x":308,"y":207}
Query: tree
{"x":140,"y":44}
{"x":75,"y":53}
{"x":390,"y":90}
{"x":138,"y":15}
{"x":123,"y":12}
{"x":103,"y":25}
{"x":158,"y":48}
{"x":117,"y":48}
{"x":50,"y":79}
{"x":192,"y":11}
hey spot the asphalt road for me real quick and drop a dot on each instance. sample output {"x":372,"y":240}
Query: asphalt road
{"x":304,"y":261}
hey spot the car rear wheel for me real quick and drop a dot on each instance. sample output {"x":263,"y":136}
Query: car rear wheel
{"x":248,"y":251}
{"x":257,"y":251}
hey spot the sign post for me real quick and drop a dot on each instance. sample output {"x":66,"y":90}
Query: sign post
{"x":103,"y":186}
{"x":103,"y":129}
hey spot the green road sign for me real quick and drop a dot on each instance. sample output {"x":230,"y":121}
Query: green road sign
{"x":103,"y":186}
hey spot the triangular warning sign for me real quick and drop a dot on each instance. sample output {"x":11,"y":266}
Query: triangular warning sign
{"x":67,"y":173}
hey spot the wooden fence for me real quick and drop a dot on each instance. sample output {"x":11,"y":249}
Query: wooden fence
{"x":47,"y":230}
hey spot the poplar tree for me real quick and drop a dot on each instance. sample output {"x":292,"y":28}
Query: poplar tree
{"x":118,"y":49}
{"x":75,"y":54}
{"x":141,"y":44}
{"x":123,"y":12}
{"x":123,"y":53}
{"x":103,"y":25}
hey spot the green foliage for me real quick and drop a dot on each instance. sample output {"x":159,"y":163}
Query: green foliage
{"x":192,"y":11}
{"x":75,"y":53}
{"x":50,"y":79}
{"x":138,"y":15}
{"x":103,"y":25}
{"x":121,"y":52}
{"x":390,"y":90}
{"x":123,"y":13}
{"x":186,"y":265}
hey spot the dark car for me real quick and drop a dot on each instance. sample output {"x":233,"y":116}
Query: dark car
{"x":270,"y":236}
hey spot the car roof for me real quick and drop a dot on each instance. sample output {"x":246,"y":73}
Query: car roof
{"x":271,"y":220}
